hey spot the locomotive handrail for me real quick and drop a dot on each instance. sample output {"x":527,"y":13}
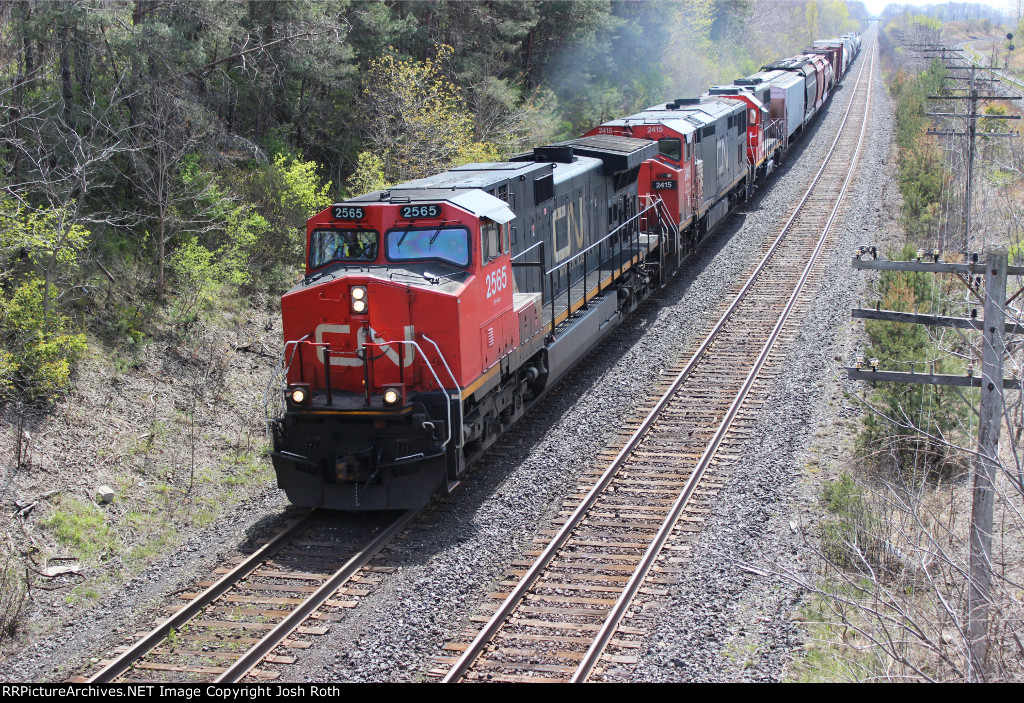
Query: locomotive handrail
{"x":664,"y":216}
{"x":280,"y":368}
{"x":443,"y":361}
{"x":525,"y":251}
{"x":632,"y":227}
{"x":440,"y":356}
{"x":583,"y":252}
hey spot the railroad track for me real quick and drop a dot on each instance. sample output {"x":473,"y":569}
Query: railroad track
{"x":1009,"y":83}
{"x":559,"y":616}
{"x":262,"y":608}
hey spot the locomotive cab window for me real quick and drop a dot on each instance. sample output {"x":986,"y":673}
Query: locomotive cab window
{"x":330,"y":245}
{"x":446,"y":244}
{"x":492,"y":241}
{"x":671,"y":148}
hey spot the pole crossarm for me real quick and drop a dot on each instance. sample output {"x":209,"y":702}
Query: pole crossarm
{"x":978,"y":269}
{"x":926,"y":379}
{"x":967,"y":134}
{"x":936,"y":320}
{"x":981,"y":116}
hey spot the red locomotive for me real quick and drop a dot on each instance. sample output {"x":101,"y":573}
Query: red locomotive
{"x":433,"y":314}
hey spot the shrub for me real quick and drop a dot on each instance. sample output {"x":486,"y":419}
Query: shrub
{"x":13,"y":595}
{"x":853,"y":538}
{"x":35,"y":365}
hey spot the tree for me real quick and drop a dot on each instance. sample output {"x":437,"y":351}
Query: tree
{"x":162,"y":172}
{"x":415,"y":120}
{"x":39,"y":262}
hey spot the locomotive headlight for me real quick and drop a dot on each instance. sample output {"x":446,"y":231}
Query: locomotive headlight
{"x":393,"y":395}
{"x":358,"y":295}
{"x":298,"y":394}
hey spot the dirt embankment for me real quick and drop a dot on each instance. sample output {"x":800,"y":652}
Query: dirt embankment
{"x":158,"y":451}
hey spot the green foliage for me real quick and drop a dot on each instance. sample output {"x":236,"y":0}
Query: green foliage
{"x":368,"y":176}
{"x":920,"y":174}
{"x":415,"y":119}
{"x":246,"y":241}
{"x":198,"y":280}
{"x":245,"y":231}
{"x":301,"y":192}
{"x":46,"y":240}
{"x":13,"y":594}
{"x":836,"y":651}
{"x":35,"y":365}
{"x":988,"y":124}
{"x":269,"y":235}
{"x":850,"y":537}
{"x":83,"y":528}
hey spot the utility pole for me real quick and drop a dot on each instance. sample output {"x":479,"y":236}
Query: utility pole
{"x":973,"y":97}
{"x":990,"y":412}
{"x":986,"y":461}
{"x":972,"y":132}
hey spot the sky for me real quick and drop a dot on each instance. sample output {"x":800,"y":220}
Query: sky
{"x":876,"y":6}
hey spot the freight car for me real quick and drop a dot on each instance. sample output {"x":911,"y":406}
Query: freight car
{"x":434,"y":313}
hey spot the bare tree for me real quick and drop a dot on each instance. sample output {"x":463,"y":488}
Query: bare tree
{"x":172,"y":130}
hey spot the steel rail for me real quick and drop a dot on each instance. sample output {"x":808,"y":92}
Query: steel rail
{"x":284,"y":629}
{"x":158,"y":634}
{"x":618,"y":611}
{"x":487,"y":633}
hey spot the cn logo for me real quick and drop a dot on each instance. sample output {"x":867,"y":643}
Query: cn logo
{"x":364,"y":335}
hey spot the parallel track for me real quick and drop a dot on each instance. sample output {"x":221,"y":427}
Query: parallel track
{"x":557,"y":621}
{"x":258,"y":605}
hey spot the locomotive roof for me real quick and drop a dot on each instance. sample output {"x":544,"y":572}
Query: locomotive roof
{"x":674,"y":122}
{"x":759,"y":94}
{"x":684,"y":117}
{"x":774,"y":77}
{"x":616,"y":152}
{"x":797,"y":64}
{"x":483,"y":175}
{"x":474,"y":200}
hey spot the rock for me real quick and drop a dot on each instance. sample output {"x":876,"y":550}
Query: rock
{"x":104,"y":495}
{"x":62,"y":569}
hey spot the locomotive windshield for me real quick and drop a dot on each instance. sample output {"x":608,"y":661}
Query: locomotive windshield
{"x":671,"y":148}
{"x":448,"y":244}
{"x":328,"y":245}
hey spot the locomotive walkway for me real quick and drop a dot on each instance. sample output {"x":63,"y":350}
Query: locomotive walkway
{"x":560,"y":613}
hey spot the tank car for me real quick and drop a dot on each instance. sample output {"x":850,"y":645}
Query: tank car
{"x":433,"y":313}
